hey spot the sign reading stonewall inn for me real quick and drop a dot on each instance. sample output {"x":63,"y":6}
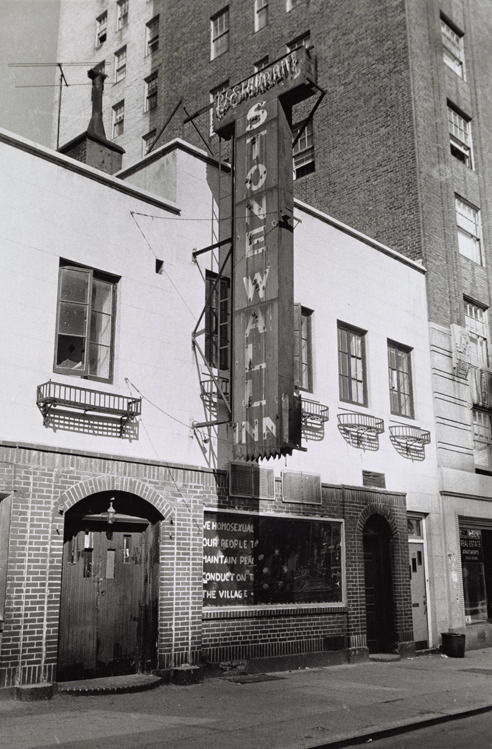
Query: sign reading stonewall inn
{"x":265,"y":410}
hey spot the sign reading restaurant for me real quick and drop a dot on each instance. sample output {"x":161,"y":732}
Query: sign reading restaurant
{"x":265,"y":410}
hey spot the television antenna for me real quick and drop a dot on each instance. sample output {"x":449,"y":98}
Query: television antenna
{"x":62,"y":80}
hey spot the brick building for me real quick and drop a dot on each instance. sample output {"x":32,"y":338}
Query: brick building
{"x":130,"y":540}
{"x":398,"y":148}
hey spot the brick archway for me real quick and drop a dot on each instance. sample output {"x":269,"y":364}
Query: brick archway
{"x":115,"y":483}
{"x":378,"y":508}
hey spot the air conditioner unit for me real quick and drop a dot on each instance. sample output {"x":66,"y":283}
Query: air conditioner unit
{"x":249,"y":480}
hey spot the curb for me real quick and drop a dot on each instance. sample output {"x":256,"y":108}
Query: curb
{"x":400,"y":727}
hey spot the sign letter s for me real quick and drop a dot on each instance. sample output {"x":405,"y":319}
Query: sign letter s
{"x":256,"y":116}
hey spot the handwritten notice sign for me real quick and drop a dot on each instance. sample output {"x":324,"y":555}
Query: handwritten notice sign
{"x":228,"y":561}
{"x":260,"y":559}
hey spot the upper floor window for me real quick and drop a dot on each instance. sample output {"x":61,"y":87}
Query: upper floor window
{"x":101,"y":28}
{"x":469,"y":230}
{"x":400,"y":379}
{"x":217,"y":320}
{"x":85,"y":322}
{"x":118,"y":119}
{"x":300,"y":41}
{"x":121,"y":13}
{"x":303,"y":150}
{"x":478,"y":332}
{"x":460,"y":136}
{"x":120,"y":64}
{"x":261,"y":64}
{"x":148,"y":141}
{"x":452,"y":47}
{"x":303,"y":348}
{"x":151,"y":83}
{"x":152,"y":36}
{"x":482,"y":439}
{"x":261,"y":14}
{"x":352,"y":365}
{"x":219,"y":26}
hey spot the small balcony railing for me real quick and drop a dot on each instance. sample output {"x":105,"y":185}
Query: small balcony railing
{"x":314,"y":415}
{"x":55,"y":396}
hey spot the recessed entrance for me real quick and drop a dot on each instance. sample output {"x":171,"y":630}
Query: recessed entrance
{"x":378,"y":585}
{"x":109,"y":596}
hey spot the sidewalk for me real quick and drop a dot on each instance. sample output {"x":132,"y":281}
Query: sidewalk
{"x":323,"y":707}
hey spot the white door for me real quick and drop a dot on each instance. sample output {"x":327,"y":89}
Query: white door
{"x":419,"y":599}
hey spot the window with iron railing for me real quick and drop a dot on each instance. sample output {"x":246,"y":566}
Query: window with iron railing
{"x":352,"y":365}
{"x":400,"y":379}
{"x":85,"y":322}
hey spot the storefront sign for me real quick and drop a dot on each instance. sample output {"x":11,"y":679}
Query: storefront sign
{"x":265,"y":410}
{"x":279,"y":78}
{"x":471,"y":545}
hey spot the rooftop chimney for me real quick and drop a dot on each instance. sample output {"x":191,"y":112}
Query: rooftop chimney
{"x":92,"y":147}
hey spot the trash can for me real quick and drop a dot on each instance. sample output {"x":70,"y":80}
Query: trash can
{"x":453,"y":644}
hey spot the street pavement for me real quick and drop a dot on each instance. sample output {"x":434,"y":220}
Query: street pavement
{"x":318,"y":707}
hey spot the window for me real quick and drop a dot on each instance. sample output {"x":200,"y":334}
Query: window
{"x":478,"y":332}
{"x":288,"y":560}
{"x":452,"y":47}
{"x":303,"y":355}
{"x":147,"y":142}
{"x":120,"y":65}
{"x":217,"y":320}
{"x":152,"y":36}
{"x":219,"y":25}
{"x":118,"y":119}
{"x":85,"y":317}
{"x":101,"y":29}
{"x":469,"y":230}
{"x":151,"y":92}
{"x":261,"y":14}
{"x":351,"y":365}
{"x":482,"y":439}
{"x":303,"y":151}
{"x":261,"y":64}
{"x":460,"y":136}
{"x":121,"y":14}
{"x":298,"y":42}
{"x":213,"y":93}
{"x":400,"y":380}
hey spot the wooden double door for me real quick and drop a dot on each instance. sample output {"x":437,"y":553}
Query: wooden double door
{"x":109,"y":597}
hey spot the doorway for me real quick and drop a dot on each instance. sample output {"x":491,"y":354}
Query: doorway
{"x":109,"y":594}
{"x":378,"y":585}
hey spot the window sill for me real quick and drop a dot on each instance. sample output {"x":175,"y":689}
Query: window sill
{"x":280,"y":609}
